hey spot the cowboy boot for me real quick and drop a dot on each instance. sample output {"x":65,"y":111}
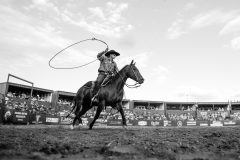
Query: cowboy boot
{"x":94,"y":93}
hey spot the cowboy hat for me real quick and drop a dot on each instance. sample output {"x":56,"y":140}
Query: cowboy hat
{"x":112,"y":52}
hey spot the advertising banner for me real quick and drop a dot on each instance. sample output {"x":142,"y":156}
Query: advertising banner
{"x":64,"y":120}
{"x":191,"y":123}
{"x":156,"y":123}
{"x":20,"y":117}
{"x":216,"y":123}
{"x":114,"y":122}
{"x":167,"y":123}
{"x":37,"y":118}
{"x":142,"y":123}
{"x":99,"y":122}
{"x":180,"y":123}
{"x":203,"y":123}
{"x":51,"y":119}
{"x":229,"y":123}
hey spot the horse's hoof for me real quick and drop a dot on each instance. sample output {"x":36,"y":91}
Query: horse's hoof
{"x":90,"y":126}
{"x":71,"y":127}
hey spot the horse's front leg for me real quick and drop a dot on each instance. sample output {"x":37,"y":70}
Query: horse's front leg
{"x":99,"y":110}
{"x":120,"y":109}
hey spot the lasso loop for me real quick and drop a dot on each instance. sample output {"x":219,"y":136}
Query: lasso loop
{"x":49,"y":62}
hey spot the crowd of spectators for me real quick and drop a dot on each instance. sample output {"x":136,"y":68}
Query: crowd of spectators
{"x":235,"y":116}
{"x":140,"y":107}
{"x":181,"y":116}
{"x":23,"y":102}
{"x":189,"y":108}
{"x":16,"y":105}
{"x":64,"y":107}
{"x":64,"y":102}
{"x":40,"y":105}
{"x":148,"y":116}
{"x":23,"y":95}
{"x":129,"y":115}
{"x":212,"y":115}
{"x":213,"y":109}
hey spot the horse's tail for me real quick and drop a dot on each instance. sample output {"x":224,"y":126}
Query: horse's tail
{"x":73,"y":107}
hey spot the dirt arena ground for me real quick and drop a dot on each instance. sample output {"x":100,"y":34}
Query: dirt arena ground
{"x":42,"y":142}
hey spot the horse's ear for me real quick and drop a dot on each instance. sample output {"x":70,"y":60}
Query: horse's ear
{"x":131,"y":62}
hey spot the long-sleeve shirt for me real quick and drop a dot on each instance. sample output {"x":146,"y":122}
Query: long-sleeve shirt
{"x":107,"y":64}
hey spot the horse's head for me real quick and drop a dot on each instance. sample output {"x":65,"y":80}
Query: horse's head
{"x":134,"y":73}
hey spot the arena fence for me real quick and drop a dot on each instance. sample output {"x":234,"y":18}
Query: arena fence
{"x":24,"y":117}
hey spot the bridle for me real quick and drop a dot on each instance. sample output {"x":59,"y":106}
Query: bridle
{"x":136,"y":85}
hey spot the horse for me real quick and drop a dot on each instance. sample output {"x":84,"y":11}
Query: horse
{"x":110,"y":94}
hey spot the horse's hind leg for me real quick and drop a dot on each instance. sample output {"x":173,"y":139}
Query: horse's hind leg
{"x":78,"y":109}
{"x":82,"y":112}
{"x":78,"y":116}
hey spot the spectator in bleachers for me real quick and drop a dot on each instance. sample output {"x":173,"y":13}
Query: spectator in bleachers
{"x":21,"y":102}
{"x":182,"y":116}
{"x":10,"y":94}
{"x":235,"y":116}
{"x":213,"y":115}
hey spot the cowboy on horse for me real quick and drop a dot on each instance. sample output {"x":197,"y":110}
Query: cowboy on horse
{"x":107,"y":90}
{"x":110,"y":94}
{"x":107,"y":69}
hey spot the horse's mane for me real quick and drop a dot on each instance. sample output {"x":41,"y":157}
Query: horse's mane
{"x":119,"y":73}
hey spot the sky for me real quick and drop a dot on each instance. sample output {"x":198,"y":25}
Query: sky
{"x":186,"y":50}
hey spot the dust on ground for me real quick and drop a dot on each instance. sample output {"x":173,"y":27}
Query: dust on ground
{"x":42,"y":142}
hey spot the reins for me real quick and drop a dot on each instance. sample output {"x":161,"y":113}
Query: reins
{"x":49,"y":62}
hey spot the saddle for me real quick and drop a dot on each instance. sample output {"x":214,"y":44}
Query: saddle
{"x":107,"y":80}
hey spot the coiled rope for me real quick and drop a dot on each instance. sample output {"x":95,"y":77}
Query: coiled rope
{"x":90,"y":39}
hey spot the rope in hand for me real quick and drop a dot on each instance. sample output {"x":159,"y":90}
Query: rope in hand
{"x":93,"y":39}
